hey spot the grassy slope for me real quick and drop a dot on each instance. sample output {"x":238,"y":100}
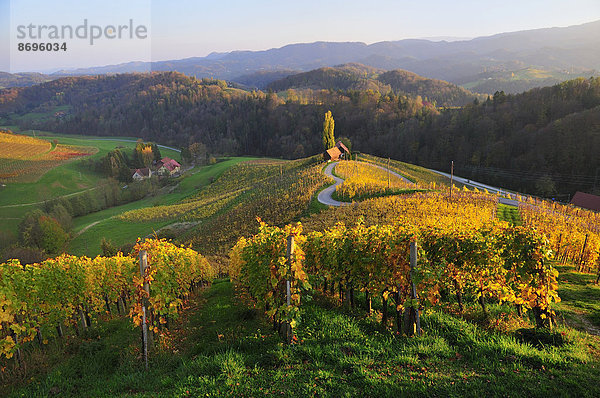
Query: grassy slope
{"x":222,"y":348}
{"x":121,"y":232}
{"x":63,"y":180}
{"x":581,"y":299}
{"x":68,"y":178}
{"x":509,"y":214}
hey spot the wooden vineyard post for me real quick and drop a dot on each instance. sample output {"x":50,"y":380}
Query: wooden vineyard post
{"x":412,"y":323}
{"x":59,"y":330}
{"x":143,"y":267}
{"x":291,"y":246}
{"x":582,"y":253}
{"x":82,"y":319}
{"x":18,"y":356}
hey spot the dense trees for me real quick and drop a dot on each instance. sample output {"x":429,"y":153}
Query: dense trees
{"x":543,"y":141}
{"x":41,"y":231}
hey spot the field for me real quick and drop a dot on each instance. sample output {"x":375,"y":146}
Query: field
{"x":222,"y":348}
{"x":118,"y":225}
{"x":363,"y":180}
{"x":68,"y":178}
{"x":26,"y":159}
{"x":58,"y":178}
{"x":417,"y":174}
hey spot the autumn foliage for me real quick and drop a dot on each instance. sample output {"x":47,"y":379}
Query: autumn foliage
{"x":63,"y":290}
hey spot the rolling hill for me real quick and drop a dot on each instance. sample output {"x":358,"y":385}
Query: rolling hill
{"x":542,"y":141}
{"x":361,"y":77}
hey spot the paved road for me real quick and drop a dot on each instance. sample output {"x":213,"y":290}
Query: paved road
{"x":481,"y":186}
{"x":325,"y":195}
{"x":124,"y":140}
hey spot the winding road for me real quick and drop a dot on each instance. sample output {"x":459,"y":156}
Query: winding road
{"x":325,"y":196}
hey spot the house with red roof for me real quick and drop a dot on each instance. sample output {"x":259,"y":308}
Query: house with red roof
{"x":586,"y":200}
{"x":141,"y":174}
{"x":167,"y":167}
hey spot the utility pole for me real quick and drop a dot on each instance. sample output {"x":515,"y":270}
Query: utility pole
{"x":451,"y":177}
{"x":388,"y":169}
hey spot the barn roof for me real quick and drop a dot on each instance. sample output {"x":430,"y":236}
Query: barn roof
{"x":586,"y":200}
{"x":144,"y":172}
{"x":340,"y":145}
{"x":334,"y":153}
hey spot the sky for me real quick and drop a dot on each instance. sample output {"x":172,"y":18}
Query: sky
{"x":185,"y":28}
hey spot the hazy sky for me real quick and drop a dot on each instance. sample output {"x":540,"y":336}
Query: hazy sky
{"x":186,"y":28}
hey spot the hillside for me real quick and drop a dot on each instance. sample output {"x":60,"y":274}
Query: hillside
{"x":341,"y":77}
{"x":362,"y":77}
{"x":23,"y":79}
{"x":443,"y":93}
{"x":217,"y":337}
{"x":508,"y":140}
{"x":564,"y":53}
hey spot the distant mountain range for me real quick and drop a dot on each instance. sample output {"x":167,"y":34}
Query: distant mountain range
{"x":512,"y":62}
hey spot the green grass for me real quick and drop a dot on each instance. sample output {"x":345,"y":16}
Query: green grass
{"x":39,"y":116}
{"x":222,"y":348}
{"x":66,"y":179}
{"x":121,"y":232}
{"x":509,"y":214}
{"x":580,"y":296}
{"x":115,"y":230}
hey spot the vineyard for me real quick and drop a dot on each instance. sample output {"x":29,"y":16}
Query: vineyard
{"x":501,"y":263}
{"x":574,"y":233}
{"x":45,"y":300}
{"x":278,"y":192}
{"x":419,"y":175}
{"x":348,"y":287}
{"x":362,"y":180}
{"x":26,"y":159}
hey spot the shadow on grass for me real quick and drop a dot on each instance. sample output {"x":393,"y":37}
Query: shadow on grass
{"x":225,"y":348}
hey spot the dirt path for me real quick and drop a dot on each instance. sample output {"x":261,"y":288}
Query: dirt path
{"x":82,"y":230}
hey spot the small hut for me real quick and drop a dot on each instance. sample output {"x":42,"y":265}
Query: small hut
{"x":332,"y":154}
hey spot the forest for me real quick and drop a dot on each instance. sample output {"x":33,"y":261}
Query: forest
{"x":544,"y":141}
